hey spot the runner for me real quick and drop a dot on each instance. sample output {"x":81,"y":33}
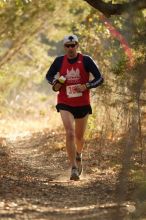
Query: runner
{"x":69,"y":76}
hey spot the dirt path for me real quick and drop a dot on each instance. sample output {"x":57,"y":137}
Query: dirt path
{"x":34,"y":180}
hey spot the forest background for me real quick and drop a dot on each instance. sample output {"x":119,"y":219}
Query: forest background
{"x":31,"y":36}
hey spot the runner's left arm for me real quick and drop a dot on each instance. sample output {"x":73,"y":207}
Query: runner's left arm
{"x":91,"y":67}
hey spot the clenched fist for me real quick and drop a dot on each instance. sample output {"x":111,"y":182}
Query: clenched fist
{"x":81,"y":87}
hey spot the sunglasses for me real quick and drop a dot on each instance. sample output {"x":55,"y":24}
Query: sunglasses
{"x":70,"y":45}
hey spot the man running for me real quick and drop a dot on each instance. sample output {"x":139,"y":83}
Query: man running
{"x":69,"y":75}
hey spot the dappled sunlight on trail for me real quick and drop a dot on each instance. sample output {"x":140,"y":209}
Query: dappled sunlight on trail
{"x":35,"y":182}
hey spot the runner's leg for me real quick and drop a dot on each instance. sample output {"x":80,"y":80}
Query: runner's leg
{"x":80,"y":127}
{"x":68,"y":122}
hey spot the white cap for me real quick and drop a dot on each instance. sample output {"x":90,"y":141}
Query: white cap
{"x":70,"y":38}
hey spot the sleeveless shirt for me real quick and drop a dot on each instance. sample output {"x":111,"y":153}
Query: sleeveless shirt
{"x":75,"y":74}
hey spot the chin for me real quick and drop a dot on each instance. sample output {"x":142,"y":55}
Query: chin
{"x":71,"y":54}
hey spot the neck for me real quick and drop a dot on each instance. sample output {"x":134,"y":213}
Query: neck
{"x":71,"y":55}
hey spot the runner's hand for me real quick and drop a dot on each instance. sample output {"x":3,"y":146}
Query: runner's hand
{"x":57,"y":86}
{"x":58,"y":83}
{"x":81,"y":87}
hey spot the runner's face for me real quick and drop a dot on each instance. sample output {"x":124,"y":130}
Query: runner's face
{"x":71,"y":49}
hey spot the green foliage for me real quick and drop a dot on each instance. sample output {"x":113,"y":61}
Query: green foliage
{"x":121,"y":66}
{"x":30,"y":37}
{"x":34,"y":29}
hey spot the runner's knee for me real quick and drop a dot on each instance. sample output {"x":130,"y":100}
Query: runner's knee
{"x":70,"y":134}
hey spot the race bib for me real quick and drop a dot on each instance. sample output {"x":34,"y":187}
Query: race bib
{"x":72,"y":92}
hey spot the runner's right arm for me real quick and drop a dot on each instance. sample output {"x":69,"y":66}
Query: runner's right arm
{"x":54,"y":69}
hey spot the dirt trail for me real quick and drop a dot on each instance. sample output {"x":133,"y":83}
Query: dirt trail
{"x":34,"y":182}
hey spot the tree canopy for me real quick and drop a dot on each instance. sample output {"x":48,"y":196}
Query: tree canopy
{"x":110,"y":8}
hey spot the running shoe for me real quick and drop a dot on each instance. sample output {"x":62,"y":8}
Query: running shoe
{"x":74,"y":174}
{"x":79,"y":162}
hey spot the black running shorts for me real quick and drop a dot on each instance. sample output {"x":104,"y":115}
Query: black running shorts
{"x":78,"y":112}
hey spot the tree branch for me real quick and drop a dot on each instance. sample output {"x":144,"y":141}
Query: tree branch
{"x":109,"y":8}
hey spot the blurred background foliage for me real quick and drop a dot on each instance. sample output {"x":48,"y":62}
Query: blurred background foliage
{"x":31,"y":37}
